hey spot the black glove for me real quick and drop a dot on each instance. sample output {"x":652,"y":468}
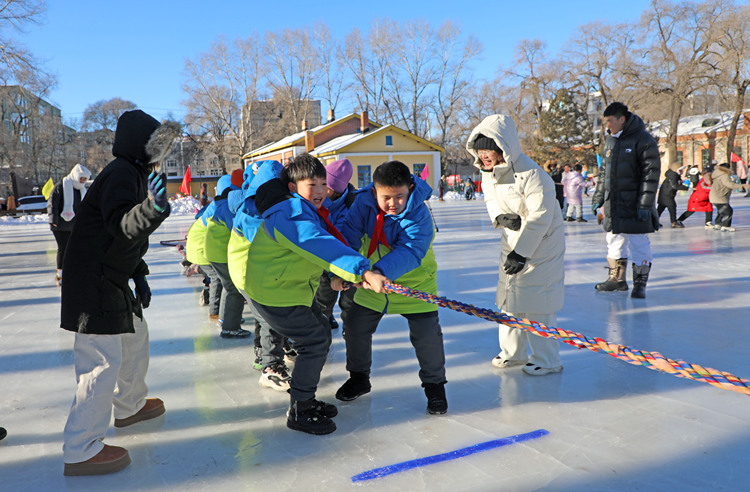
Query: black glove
{"x":509,"y":221}
{"x":142,"y":290}
{"x":514,"y":263}
{"x":157,"y":191}
{"x":644,"y":214}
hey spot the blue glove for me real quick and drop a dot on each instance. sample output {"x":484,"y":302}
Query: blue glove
{"x":514,"y":263}
{"x":142,"y":291}
{"x":594,"y":207}
{"x":157,"y":191}
{"x":644,"y":214}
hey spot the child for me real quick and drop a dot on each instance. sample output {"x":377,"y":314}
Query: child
{"x":195,"y":254}
{"x":268,"y":345}
{"x":288,"y":254}
{"x":698,"y":201}
{"x":124,"y":205}
{"x":390,"y":224}
{"x":342,"y":194}
{"x":721,"y":189}
{"x":218,"y":230}
{"x":667,"y":191}
{"x":574,"y":186}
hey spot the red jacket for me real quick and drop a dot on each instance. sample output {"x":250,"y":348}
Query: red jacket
{"x":698,"y":201}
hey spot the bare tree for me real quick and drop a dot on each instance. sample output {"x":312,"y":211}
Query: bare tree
{"x":222,"y":86}
{"x":453,"y":83}
{"x":367,"y":59}
{"x":333,"y":84}
{"x":15,"y":16}
{"x":294,"y":71}
{"x":681,"y":57}
{"x":734,"y":43}
{"x":103,"y":115}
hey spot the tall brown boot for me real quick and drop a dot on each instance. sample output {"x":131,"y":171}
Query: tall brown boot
{"x":640,"y":277}
{"x":616,"y":279}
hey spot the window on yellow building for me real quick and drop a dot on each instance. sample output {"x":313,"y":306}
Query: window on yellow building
{"x":364,"y":176}
{"x":389,"y":140}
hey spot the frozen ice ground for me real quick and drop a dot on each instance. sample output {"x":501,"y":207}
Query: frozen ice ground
{"x":611,"y":425}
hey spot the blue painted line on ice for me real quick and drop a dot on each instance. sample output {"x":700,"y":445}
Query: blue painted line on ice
{"x":451,"y":455}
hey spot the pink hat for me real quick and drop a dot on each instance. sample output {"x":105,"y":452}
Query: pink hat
{"x":339,"y":173}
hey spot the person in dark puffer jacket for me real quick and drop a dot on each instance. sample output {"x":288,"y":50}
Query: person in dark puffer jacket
{"x":667,"y":191}
{"x":626,"y":190}
{"x":124,"y":205}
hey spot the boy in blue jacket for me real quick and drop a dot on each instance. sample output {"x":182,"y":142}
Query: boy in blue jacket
{"x":288,"y":254}
{"x":390,"y":225}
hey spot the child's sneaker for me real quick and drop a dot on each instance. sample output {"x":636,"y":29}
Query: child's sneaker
{"x":709,"y":225}
{"x":290,"y":355}
{"x":437,"y":404}
{"x":275,"y":377}
{"x":727,"y":229}
{"x":256,"y":363}
{"x":534,"y":370}
{"x":238,"y":333}
{"x":501,"y":363}
{"x":354,"y":387}
{"x":305,"y":416}
{"x":332,"y":321}
{"x":581,"y":219}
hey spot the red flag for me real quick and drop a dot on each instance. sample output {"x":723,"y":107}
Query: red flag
{"x":185,"y":186}
{"x":425,"y":173}
{"x":735,"y":157}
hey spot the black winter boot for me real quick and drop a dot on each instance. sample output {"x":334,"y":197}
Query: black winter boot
{"x":616,"y":279}
{"x":357,"y":385}
{"x":437,"y":404}
{"x":640,"y":277}
{"x":308,"y":416}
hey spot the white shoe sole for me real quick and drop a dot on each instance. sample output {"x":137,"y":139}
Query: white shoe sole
{"x":541,"y":371}
{"x":506,"y":363}
{"x":267,"y":383}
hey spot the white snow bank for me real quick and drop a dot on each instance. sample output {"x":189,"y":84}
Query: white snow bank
{"x":449,"y":196}
{"x":188,"y":205}
{"x":24,"y":219}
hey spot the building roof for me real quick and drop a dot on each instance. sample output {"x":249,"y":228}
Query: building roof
{"x":698,"y":124}
{"x":339,"y":143}
{"x":299,"y":137}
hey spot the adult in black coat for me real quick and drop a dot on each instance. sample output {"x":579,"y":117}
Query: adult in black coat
{"x":667,"y":191}
{"x":62,"y":206}
{"x":126,"y":203}
{"x":626,"y":189}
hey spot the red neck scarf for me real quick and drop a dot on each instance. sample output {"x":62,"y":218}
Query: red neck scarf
{"x":378,"y":235}
{"x":324,"y":213}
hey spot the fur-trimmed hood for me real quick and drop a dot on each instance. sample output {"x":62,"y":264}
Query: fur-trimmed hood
{"x":142,"y":140}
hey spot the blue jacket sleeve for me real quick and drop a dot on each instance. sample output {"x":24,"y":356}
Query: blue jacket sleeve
{"x":409,"y":241}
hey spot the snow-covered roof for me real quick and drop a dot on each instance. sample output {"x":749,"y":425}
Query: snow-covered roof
{"x":693,"y":125}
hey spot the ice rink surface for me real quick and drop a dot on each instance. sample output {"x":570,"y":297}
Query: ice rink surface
{"x":611,"y":425}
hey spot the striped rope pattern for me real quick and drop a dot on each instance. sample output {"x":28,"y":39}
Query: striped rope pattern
{"x":651,"y":360}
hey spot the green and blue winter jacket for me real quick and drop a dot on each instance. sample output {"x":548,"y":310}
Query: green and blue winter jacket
{"x":219,"y":225}
{"x":409,"y":259}
{"x":292,"y":249}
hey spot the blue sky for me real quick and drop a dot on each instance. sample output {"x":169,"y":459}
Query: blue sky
{"x":136,"y":50}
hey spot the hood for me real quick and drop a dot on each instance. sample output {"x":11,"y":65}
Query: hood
{"x":270,"y":193}
{"x":76,"y":174}
{"x":224,"y":186}
{"x":720,"y":171}
{"x":633,"y":124}
{"x":263,"y":172}
{"x":141,"y":139}
{"x":502,"y":129}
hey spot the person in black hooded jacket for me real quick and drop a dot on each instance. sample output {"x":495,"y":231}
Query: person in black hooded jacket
{"x":667,"y":191}
{"x":626,"y":190}
{"x":123,"y":206}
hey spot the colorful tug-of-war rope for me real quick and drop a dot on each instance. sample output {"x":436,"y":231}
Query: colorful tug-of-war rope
{"x":651,"y":360}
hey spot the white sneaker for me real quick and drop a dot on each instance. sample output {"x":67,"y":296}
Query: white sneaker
{"x":501,"y":363}
{"x":275,"y":377}
{"x":727,"y":229}
{"x":717,"y":227}
{"x":534,"y":370}
{"x":709,"y":225}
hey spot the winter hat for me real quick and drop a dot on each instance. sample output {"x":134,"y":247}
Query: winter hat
{"x":237,"y":178}
{"x":76,"y":174}
{"x":339,"y":173}
{"x":486,"y":143}
{"x":724,"y":164}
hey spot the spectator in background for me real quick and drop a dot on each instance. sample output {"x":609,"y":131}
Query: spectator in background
{"x":667,"y":191}
{"x":742,"y":173}
{"x":721,"y":189}
{"x":574,"y":186}
{"x":204,"y":195}
{"x":699,"y":201}
{"x":62,"y":206}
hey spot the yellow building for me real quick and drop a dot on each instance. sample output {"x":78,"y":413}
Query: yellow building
{"x":365,"y":143}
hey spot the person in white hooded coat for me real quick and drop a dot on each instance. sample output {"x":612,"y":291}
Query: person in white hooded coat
{"x":520,"y":199}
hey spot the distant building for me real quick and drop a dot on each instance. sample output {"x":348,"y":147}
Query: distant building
{"x":365,"y":143}
{"x":703,"y":138}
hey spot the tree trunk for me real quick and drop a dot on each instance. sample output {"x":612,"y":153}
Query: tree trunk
{"x":674,"y":121}
{"x":738,"y":107}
